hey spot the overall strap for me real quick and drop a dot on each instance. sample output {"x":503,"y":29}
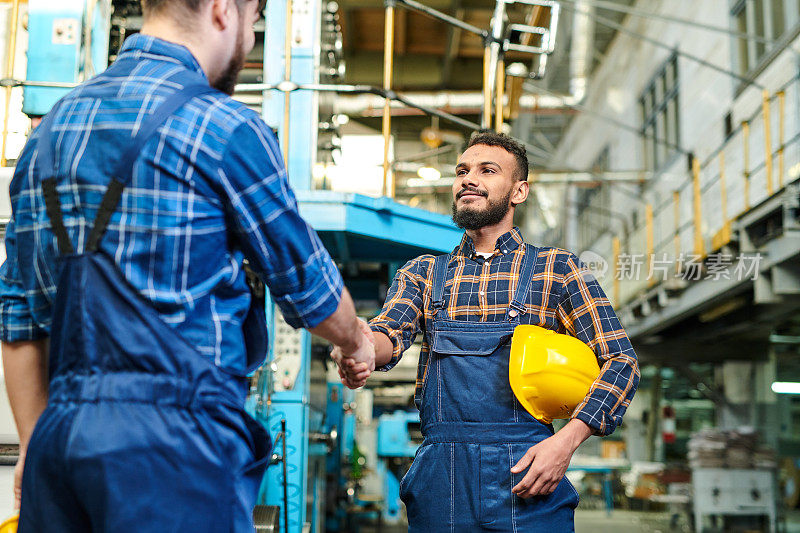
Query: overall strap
{"x":439,"y":275}
{"x":44,"y":159}
{"x":120,"y":177}
{"x":525,"y":277}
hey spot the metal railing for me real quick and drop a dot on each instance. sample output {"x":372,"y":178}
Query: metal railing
{"x":695,"y":219}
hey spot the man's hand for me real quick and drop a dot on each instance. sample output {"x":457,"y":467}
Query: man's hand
{"x":18,"y":478}
{"x":354,"y":368}
{"x":550,"y":459}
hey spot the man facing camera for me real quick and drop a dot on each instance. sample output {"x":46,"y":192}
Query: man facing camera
{"x":486,"y":464}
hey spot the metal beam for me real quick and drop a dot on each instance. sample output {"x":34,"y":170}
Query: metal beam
{"x":453,"y":41}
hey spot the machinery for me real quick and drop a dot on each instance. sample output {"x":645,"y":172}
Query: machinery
{"x":730,"y":492}
{"x":395,"y":447}
{"x":68,"y":44}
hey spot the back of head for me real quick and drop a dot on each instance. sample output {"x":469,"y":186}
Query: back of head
{"x":175,"y":8}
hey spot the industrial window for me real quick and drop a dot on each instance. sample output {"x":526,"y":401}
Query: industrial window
{"x":593,"y":204}
{"x":764,"y":21}
{"x":660,"y":116}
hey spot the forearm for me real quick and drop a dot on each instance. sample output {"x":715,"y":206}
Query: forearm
{"x":574,"y":433}
{"x":342,"y":328}
{"x":383,"y":349}
{"x":25,"y":369}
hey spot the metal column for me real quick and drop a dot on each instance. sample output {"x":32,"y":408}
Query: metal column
{"x":288,"y":381}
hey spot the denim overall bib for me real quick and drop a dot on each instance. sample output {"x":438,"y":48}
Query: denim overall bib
{"x":141,"y":432}
{"x":475,"y":430}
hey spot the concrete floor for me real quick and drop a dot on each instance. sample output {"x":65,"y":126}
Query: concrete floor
{"x":622,"y":522}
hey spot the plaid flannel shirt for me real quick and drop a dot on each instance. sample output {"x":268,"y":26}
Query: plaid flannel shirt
{"x":209,"y":189}
{"x":480,"y":290}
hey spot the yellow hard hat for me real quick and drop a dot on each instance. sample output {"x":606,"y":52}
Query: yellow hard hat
{"x":10,"y":525}
{"x":550,"y":373}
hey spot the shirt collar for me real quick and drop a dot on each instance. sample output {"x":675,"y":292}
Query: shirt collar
{"x":138,"y":44}
{"x":506,"y":243}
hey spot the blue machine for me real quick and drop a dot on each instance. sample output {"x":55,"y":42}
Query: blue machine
{"x":67,"y":43}
{"x":393,"y":435}
{"x":394,"y":441}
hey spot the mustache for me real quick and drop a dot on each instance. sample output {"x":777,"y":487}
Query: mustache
{"x":465,"y":190}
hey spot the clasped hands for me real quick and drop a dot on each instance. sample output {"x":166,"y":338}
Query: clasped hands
{"x":357,"y":365}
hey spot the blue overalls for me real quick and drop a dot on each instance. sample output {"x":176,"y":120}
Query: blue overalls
{"x":141,"y":432}
{"x":475,"y":430}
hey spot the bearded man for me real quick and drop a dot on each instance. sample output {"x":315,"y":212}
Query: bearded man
{"x":485,"y":463}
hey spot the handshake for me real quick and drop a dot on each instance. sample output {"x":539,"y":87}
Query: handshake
{"x":358,"y":363}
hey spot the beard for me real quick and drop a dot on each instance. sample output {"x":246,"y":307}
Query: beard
{"x":227,"y":80}
{"x":470,"y":218}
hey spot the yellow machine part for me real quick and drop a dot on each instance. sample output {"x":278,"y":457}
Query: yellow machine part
{"x":550,"y":373}
{"x":9,"y":525}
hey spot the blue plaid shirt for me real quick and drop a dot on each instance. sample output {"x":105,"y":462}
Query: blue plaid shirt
{"x":209,"y":190}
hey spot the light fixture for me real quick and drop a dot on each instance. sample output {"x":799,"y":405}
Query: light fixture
{"x":518,"y":70}
{"x":785,"y":387}
{"x":341,"y":119}
{"x":318,"y":171}
{"x":429,"y":173}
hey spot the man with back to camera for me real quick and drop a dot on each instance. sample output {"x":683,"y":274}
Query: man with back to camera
{"x":135,"y":203}
{"x":470,"y":472}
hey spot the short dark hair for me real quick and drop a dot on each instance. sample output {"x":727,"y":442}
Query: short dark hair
{"x":191,"y":6}
{"x":153,"y":7}
{"x":509,"y":144}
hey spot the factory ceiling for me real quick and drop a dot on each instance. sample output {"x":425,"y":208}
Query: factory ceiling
{"x":431,"y":55}
{"x":434,"y":57}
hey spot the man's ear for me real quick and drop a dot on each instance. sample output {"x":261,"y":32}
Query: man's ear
{"x":222,"y":13}
{"x":520,"y":194}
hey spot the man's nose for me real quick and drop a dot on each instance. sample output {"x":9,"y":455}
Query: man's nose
{"x":469,"y":180}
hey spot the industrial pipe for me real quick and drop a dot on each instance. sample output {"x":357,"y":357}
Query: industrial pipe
{"x":10,"y":57}
{"x":486,"y":118}
{"x":388,"y":64}
{"x":287,"y":78}
{"x":12,"y":82}
{"x":425,"y":10}
{"x":615,"y":266}
{"x":767,"y":141}
{"x":582,"y":47}
{"x":501,"y":79}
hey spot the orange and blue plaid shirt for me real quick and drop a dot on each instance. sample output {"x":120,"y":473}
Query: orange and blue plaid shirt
{"x":480,"y":290}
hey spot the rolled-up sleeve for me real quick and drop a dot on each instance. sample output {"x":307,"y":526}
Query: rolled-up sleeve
{"x":586,"y":313}
{"x":400,"y":317}
{"x":281,"y":247}
{"x":16,"y":320}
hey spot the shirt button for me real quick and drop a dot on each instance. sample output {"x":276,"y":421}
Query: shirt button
{"x":505,"y":251}
{"x":481,"y":293}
